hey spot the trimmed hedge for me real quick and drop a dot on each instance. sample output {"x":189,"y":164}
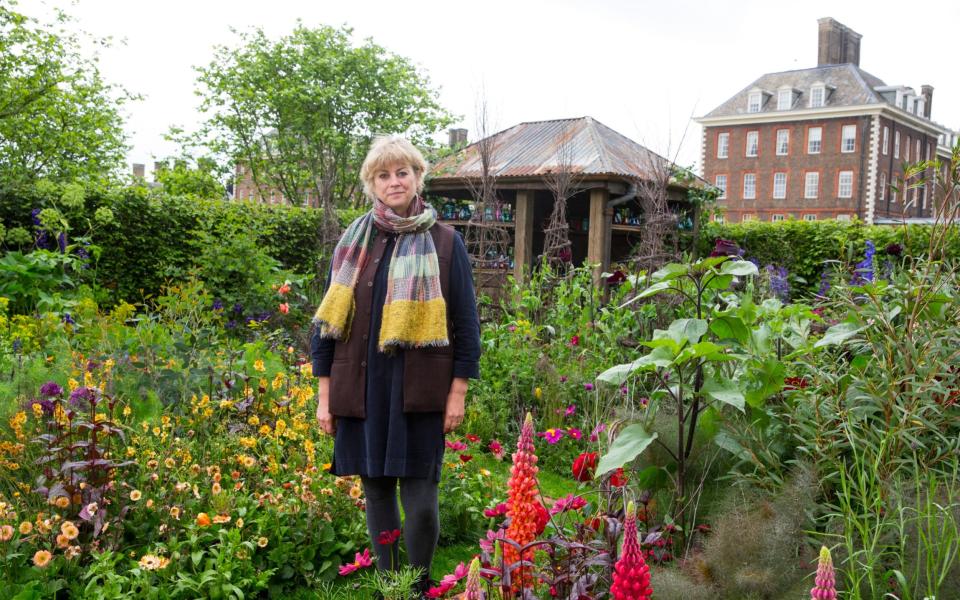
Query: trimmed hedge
{"x":154,"y":234}
{"x":803,"y":247}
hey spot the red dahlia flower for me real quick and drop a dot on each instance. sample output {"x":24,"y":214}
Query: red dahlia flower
{"x":584,"y":466}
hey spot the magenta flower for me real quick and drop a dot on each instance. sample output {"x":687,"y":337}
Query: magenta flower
{"x":563,"y":379}
{"x":497,"y":511}
{"x":456,"y":446}
{"x":595,"y":434}
{"x":497,"y":449}
{"x":551,"y":435}
{"x":574,"y":433}
{"x":571,"y":410}
{"x":588,"y":386}
{"x":568,"y":502}
{"x":360,"y":561}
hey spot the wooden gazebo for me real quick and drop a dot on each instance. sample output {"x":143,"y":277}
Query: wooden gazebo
{"x":604,"y":216}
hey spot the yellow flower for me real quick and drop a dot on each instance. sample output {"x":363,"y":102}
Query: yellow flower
{"x":169,"y":463}
{"x":135,"y":495}
{"x":127,"y":411}
{"x":37,"y":410}
{"x":175,"y":512}
{"x":262,"y":542}
{"x":69,"y":530}
{"x":538,"y":393}
{"x":41,"y":558}
{"x":355,"y":492}
{"x":258,"y":365}
{"x":326,"y":466}
{"x":26,"y":527}
{"x":239,"y":523}
{"x":264,"y":430}
{"x":248,"y":461}
{"x":254,"y":420}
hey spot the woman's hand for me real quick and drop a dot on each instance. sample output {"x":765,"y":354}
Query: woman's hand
{"x":453,"y":414}
{"x":324,"y":418}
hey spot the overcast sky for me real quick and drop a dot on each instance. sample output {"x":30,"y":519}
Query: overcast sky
{"x":643,"y":68}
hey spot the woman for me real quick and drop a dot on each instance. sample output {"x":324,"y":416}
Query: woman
{"x":397,"y":338}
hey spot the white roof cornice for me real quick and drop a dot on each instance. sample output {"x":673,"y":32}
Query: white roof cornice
{"x":830,"y":112}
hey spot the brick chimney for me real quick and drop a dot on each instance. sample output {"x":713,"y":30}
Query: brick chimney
{"x":457,"y":137}
{"x":139,"y":170}
{"x":926,"y":92}
{"x":837,"y":44}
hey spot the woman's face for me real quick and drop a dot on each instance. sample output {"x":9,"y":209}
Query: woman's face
{"x":396,"y":186}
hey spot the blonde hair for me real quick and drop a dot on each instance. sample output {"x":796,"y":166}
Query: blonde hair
{"x":391,"y":150}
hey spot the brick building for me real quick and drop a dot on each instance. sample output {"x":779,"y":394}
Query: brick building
{"x":819,"y":143}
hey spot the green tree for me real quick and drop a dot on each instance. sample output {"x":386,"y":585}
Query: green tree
{"x":298,"y":113}
{"x":58,"y":119}
{"x":202,"y":180}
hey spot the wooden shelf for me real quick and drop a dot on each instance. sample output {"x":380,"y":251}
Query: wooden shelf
{"x":627,"y":228}
{"x":458,"y":223}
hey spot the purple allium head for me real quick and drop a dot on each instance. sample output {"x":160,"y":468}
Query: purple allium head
{"x":217,"y":304}
{"x":68,"y":319}
{"x":563,"y":379}
{"x":231,"y":324}
{"x":894,"y":249}
{"x":724,"y":247}
{"x":50,"y":389}
{"x":238,"y":308}
{"x":588,"y":386}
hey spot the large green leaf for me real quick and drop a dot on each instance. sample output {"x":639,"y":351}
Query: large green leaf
{"x":671,"y":271}
{"x":631,"y":442}
{"x":724,"y":391}
{"x":659,"y":357}
{"x":739,"y":268}
{"x":729,"y":327}
{"x":764,"y":382}
{"x":687,"y":330}
{"x":653,"y":289}
{"x":723,"y":440}
{"x":839,"y":333}
{"x":700,"y":349}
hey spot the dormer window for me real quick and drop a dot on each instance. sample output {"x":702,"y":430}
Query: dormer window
{"x":785,"y":99}
{"x":754,"y":102}
{"x":818,"y":95}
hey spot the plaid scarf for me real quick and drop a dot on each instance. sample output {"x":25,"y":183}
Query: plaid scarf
{"x":414,"y":312}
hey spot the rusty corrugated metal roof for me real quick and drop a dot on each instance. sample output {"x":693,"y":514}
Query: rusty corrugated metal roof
{"x":532,"y":149}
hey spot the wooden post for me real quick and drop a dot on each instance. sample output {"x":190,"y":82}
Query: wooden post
{"x":523,"y":234}
{"x":598,"y":245}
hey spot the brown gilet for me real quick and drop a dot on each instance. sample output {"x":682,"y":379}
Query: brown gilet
{"x":427,"y":372}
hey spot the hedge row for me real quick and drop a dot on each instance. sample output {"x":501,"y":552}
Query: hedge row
{"x":806,"y":247}
{"x":154,"y":235}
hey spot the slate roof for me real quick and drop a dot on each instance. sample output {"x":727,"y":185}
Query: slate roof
{"x":532,"y":149}
{"x":848,"y":85}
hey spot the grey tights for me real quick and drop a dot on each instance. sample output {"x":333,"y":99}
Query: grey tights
{"x":421,"y":527}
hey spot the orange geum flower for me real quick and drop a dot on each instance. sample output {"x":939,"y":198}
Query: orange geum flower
{"x":6,"y":533}
{"x":26,"y":527}
{"x":175,"y":512}
{"x":62,"y":541}
{"x":41,"y":558}
{"x":216,"y":489}
{"x":221,"y":519}
{"x":71,"y":552}
{"x":262,"y":542}
{"x":203,"y":520}
{"x":169,"y":463}
{"x":135,"y":495}
{"x":68,"y":529}
{"x":61,"y":502}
